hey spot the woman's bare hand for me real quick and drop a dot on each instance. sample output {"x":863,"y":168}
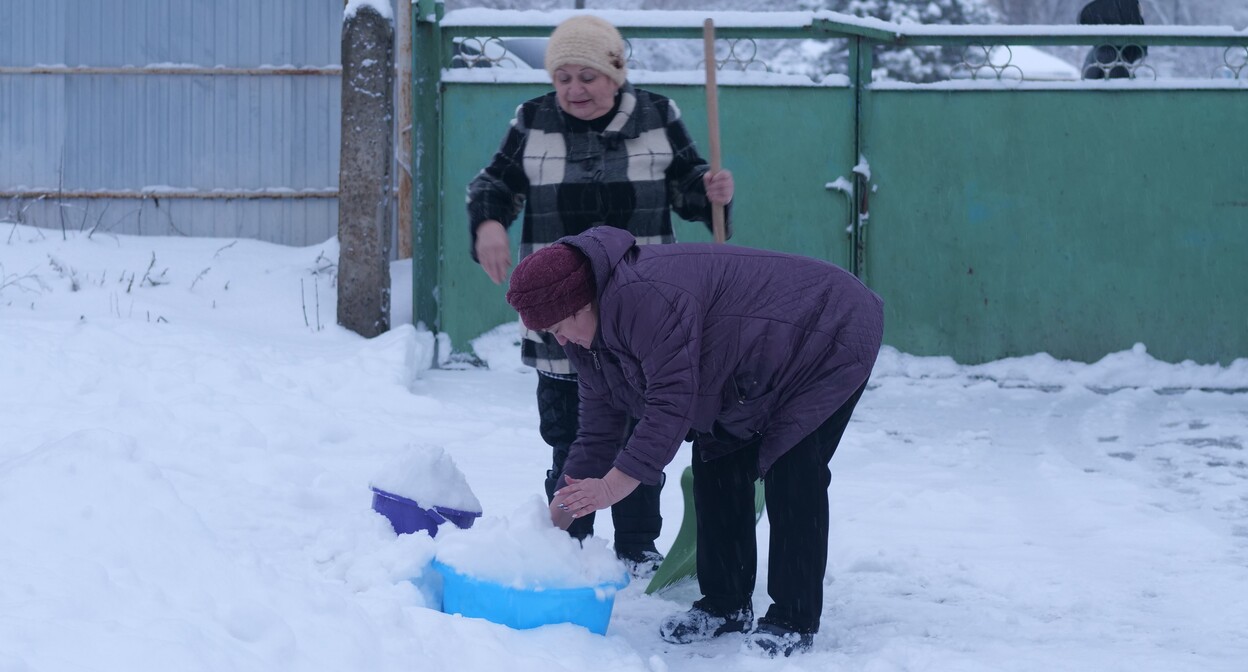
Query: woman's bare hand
{"x":493,"y":250}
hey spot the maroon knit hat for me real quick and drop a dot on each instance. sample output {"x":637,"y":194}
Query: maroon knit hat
{"x":550,"y":285}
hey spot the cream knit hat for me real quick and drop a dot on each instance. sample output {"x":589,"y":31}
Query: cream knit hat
{"x":588,"y":41}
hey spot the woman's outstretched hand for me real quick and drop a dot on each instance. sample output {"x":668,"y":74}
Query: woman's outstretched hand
{"x":583,"y":496}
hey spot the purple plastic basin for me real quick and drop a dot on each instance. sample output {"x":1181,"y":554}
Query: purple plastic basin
{"x":406,"y":516}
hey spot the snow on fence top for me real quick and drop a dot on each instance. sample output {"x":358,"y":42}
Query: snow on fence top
{"x":625,"y":19}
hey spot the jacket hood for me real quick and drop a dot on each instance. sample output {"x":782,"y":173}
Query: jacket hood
{"x":605,"y":246}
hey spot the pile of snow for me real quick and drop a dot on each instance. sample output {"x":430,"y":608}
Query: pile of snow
{"x":526,"y":552}
{"x":428,"y":476}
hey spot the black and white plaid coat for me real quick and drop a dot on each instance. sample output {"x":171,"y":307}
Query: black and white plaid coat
{"x":567,"y":178}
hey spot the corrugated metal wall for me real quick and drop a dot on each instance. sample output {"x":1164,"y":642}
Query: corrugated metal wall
{"x":167,"y":117}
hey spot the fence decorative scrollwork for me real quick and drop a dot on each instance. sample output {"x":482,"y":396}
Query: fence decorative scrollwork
{"x":1118,"y":61}
{"x":483,"y":52}
{"x":742,"y":55}
{"x":1234,"y":64}
{"x":989,"y":62}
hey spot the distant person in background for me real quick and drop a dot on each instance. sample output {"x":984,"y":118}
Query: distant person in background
{"x":596,"y":151}
{"x":1107,"y":61}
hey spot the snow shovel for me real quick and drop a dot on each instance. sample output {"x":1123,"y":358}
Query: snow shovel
{"x":681,"y":563}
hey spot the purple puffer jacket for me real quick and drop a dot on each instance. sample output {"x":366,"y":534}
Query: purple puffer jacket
{"x":692,"y":335}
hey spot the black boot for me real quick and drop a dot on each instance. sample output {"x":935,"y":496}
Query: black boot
{"x":772,"y":640}
{"x":703,"y":622}
{"x":642,"y":563}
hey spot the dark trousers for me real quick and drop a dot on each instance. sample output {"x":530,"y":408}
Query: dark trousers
{"x":636,"y":517}
{"x":797,"y":509}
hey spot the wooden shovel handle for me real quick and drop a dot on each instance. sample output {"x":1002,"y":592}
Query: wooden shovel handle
{"x":712,"y":120}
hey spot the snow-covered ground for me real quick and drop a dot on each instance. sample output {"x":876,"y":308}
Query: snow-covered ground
{"x":186,"y":443}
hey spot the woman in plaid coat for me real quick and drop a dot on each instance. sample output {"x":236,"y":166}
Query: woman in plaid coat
{"x":596,"y":151}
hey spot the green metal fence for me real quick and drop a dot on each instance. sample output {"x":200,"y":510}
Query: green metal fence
{"x":996,"y":219}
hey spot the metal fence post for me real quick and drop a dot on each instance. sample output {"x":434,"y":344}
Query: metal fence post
{"x":861,"y":54}
{"x":426,"y":164}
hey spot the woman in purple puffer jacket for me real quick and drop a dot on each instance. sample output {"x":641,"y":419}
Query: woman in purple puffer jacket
{"x":758,"y":356}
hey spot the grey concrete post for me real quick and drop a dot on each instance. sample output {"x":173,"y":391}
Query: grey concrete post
{"x":365,"y":217}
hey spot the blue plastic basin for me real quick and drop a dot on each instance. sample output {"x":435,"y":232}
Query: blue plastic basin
{"x":527,"y":608}
{"x":407,"y":516}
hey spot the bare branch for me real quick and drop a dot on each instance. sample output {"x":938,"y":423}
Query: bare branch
{"x":98,"y":220}
{"x":303,"y":301}
{"x":65,"y":272}
{"x":20,"y":282}
{"x":154,"y":281}
{"x":201,"y":274}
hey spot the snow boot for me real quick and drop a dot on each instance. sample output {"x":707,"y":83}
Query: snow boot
{"x":642,"y":563}
{"x":698,"y":624}
{"x":772,"y":640}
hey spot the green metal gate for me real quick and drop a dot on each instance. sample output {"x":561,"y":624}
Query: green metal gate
{"x":996,"y":219}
